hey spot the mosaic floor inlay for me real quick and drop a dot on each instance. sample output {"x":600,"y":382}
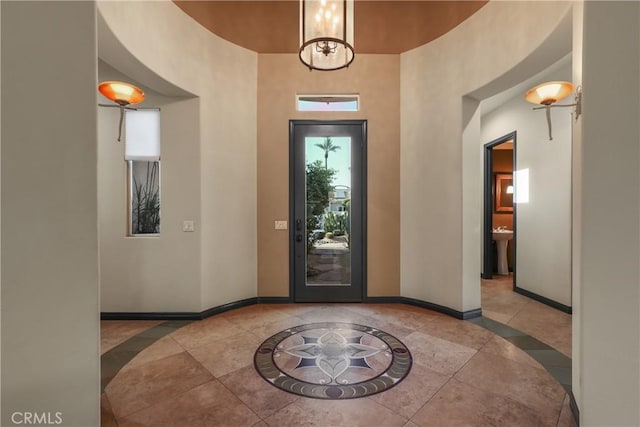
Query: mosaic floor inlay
{"x":333,"y":360}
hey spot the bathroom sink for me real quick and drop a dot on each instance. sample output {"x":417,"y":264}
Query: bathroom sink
{"x":502,"y":238}
{"x":502,"y":235}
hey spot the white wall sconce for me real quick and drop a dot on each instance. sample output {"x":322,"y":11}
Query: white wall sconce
{"x":547,"y":94}
{"x":326,"y":34}
{"x":123,"y":94}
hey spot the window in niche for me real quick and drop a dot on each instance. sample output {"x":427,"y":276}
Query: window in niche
{"x":142,"y":154}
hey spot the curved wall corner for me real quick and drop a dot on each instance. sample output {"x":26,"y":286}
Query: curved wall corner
{"x":440,"y":190}
{"x":113,"y":52}
{"x":162,"y":48}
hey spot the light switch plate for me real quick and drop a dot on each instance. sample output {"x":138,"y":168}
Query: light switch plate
{"x":281,"y":225}
{"x":188,"y":226}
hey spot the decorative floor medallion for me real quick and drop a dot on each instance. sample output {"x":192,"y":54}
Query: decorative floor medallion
{"x":333,"y":360}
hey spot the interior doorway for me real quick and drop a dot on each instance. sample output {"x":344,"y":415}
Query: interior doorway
{"x":328,"y":210}
{"x":500,"y":209}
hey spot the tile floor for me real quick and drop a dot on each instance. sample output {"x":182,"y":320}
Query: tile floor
{"x":201,"y":373}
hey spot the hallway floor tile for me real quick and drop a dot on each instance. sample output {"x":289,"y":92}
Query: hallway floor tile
{"x":202,"y":374}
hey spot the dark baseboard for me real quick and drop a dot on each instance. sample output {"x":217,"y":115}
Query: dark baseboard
{"x":574,"y":408}
{"x":226,"y":307}
{"x":279,"y":300}
{"x":150,"y":316}
{"x":194,"y":315}
{"x":274,"y":300}
{"x":384,"y":300}
{"x":470,"y":314}
{"x":544,"y":300}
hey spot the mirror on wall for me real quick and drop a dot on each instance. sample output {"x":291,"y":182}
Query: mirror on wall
{"x":504,"y":192}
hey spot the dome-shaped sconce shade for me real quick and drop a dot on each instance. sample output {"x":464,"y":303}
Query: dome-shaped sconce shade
{"x":121,"y":93}
{"x":548,"y":93}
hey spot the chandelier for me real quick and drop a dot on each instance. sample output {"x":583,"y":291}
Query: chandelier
{"x":326,"y":34}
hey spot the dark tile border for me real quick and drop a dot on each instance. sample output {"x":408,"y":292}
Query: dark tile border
{"x":557,"y":364}
{"x":115,"y":359}
{"x":112,"y":361}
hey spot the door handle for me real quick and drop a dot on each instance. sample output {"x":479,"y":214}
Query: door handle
{"x":298,"y":230}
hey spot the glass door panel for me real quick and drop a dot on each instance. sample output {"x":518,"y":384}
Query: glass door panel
{"x":328,"y":199}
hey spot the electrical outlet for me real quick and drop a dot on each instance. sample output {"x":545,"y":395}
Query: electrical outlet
{"x":281,"y":225}
{"x":188,"y":226}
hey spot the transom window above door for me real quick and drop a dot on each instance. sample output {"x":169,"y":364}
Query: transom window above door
{"x":328,"y":102}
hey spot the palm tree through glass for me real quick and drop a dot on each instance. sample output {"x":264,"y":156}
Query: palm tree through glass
{"x":327,"y":146}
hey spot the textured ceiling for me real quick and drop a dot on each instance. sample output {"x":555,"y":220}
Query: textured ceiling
{"x":380,"y":26}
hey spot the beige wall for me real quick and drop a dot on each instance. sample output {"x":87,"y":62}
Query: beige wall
{"x":50,"y":360}
{"x":0,"y":221}
{"x":150,"y":273}
{"x":609,"y":216}
{"x":223,"y":76}
{"x":377,"y":79}
{"x":443,"y":245}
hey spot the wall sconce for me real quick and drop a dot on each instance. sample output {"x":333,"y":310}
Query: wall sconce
{"x":123,"y":94}
{"x":326,"y":34}
{"x":547,"y":94}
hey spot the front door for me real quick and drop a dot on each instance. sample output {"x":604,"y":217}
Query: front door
{"x":328,"y":207}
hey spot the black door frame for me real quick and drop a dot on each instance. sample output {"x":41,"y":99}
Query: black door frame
{"x":488,"y":199}
{"x":363,"y":202}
